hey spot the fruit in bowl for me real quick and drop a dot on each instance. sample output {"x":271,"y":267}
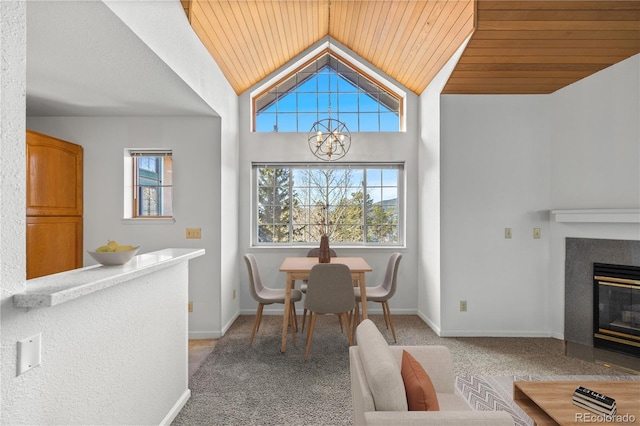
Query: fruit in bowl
{"x":113,"y":253}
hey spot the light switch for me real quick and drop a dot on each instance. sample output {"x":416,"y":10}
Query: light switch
{"x":194,"y":233}
{"x":29,"y":353}
{"x":507,"y":232}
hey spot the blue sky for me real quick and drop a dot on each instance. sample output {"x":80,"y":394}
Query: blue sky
{"x":310,"y":101}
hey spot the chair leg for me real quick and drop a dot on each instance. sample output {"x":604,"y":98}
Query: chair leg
{"x":340,"y":320}
{"x":349,"y":334}
{"x":256,"y":322}
{"x":294,"y":315}
{"x":312,"y":325}
{"x":292,"y":324}
{"x":355,"y":320}
{"x":385,"y":305}
{"x":304,"y":317}
{"x":385,"y":314}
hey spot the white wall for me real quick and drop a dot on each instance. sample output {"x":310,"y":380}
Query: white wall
{"x":195,"y":142}
{"x":508,"y":160}
{"x":101,"y":355}
{"x":210,"y":145}
{"x":285,"y":147}
{"x":495,"y":174}
{"x":12,"y":149}
{"x":94,"y":350}
{"x":429,"y":196}
{"x":595,"y":162}
{"x":163,"y":26}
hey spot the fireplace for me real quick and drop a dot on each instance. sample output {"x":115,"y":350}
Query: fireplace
{"x":580,"y":306}
{"x":616,"y":308}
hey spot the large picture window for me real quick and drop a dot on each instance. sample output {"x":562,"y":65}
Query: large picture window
{"x":354,"y":204}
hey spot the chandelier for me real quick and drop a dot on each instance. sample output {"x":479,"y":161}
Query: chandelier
{"x":329,"y":139}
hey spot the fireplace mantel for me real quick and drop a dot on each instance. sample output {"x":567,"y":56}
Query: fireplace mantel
{"x":597,"y":215}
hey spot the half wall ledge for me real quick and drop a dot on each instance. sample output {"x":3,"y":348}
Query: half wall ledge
{"x":597,"y":215}
{"x":52,"y":290}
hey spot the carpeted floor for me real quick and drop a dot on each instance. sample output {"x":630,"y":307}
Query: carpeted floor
{"x":240,"y":384}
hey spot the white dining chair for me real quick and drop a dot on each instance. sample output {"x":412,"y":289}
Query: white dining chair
{"x":266,"y":296}
{"x":314,"y":252}
{"x":382,"y":293}
{"x":329,"y":291}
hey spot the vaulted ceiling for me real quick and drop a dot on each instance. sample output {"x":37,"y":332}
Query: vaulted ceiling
{"x":534,"y":46}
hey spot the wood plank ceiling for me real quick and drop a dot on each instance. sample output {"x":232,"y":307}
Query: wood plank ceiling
{"x":409,"y":40}
{"x":534,"y":46}
{"x":528,"y":47}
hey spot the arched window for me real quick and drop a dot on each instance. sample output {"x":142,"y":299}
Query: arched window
{"x":327,"y":85}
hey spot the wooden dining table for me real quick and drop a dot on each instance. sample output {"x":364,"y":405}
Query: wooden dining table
{"x":299,"y":268}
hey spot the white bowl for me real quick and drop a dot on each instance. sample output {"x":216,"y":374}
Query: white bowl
{"x":110,"y":258}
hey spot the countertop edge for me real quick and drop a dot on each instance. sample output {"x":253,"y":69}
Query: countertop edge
{"x":59,"y":288}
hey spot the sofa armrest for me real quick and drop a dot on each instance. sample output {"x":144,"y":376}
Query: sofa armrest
{"x":440,"y":418}
{"x":436,"y":361}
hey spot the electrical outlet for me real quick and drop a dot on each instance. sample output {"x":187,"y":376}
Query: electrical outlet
{"x":463,"y":306}
{"x":507,"y":232}
{"x":536,"y":233}
{"x":190,"y":306}
{"x":193,"y":234}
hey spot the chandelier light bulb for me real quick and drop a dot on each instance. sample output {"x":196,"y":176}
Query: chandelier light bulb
{"x":329,"y":139}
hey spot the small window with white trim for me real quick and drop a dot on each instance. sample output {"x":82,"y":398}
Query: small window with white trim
{"x":151,"y":188}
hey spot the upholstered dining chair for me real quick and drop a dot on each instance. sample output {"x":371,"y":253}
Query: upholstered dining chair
{"x":314,"y":252}
{"x":382,"y":293}
{"x":266,"y":296}
{"x":329,"y":291}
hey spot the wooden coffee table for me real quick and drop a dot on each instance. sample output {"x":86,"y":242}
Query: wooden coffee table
{"x":549,"y":403}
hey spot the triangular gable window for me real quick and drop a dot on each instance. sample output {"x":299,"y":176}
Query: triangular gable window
{"x":323,"y":86}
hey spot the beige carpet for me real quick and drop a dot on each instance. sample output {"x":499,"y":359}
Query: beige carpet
{"x":240,"y":384}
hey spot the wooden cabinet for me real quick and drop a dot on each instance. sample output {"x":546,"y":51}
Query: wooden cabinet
{"x":54,"y":176}
{"x":54,"y":205}
{"x":54,"y":244}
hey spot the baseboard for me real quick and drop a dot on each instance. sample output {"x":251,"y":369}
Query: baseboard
{"x":228,"y":325}
{"x":376,"y":310}
{"x":430,"y":323}
{"x":171,"y":415}
{"x":559,"y":336}
{"x":494,"y":333}
{"x":196,"y":335}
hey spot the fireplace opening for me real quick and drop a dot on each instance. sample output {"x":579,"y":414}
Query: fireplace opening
{"x":616,"y":311}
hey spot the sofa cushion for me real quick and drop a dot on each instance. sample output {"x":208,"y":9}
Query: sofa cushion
{"x":421,"y":395}
{"x":381,"y":369}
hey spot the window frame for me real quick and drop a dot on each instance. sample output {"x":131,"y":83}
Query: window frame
{"x":400,"y":189}
{"x":393,"y":93}
{"x":135,"y":154}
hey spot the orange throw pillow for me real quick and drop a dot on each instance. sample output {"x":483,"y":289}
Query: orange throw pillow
{"x":421,"y":395}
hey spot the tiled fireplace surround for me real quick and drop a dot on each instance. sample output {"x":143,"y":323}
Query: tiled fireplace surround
{"x":581,"y":253}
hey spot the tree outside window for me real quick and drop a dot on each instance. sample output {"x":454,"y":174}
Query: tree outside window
{"x":353,"y":205}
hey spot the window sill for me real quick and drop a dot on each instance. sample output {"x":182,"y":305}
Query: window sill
{"x":148,"y":221}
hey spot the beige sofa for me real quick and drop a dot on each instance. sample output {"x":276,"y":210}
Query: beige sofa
{"x":379,"y":396}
